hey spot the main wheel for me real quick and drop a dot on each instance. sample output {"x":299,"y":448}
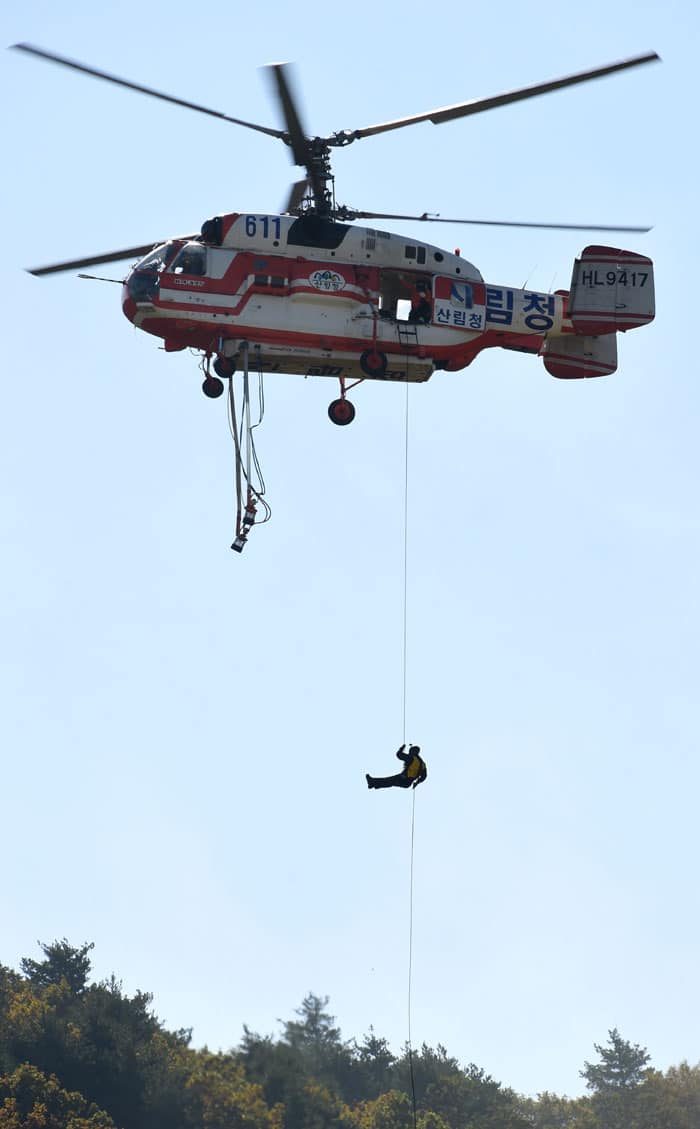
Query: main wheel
{"x":373,"y":362}
{"x":341,"y":412}
{"x":212,"y":387}
{"x":224,"y":367}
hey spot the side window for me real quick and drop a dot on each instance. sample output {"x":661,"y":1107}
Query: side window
{"x":417,"y":253}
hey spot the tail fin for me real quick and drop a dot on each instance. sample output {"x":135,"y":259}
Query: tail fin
{"x":611,"y":290}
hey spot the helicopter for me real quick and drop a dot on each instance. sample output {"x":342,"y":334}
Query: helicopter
{"x":309,"y":291}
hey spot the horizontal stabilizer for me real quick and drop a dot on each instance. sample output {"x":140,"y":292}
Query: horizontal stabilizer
{"x":573,"y":357}
{"x":611,"y":290}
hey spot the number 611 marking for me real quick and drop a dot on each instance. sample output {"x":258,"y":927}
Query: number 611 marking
{"x":265,"y":223}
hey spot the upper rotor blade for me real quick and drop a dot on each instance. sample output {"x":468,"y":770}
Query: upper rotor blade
{"x":302,"y":147}
{"x":425,"y":218}
{"x":92,"y":260}
{"x":52,"y":58}
{"x":462,"y":109}
{"x":295,"y":133}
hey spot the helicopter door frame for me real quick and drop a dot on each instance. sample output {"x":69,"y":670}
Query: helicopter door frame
{"x":397,"y":284}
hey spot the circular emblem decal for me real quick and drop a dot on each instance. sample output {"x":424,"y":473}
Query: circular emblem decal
{"x":327,"y":280}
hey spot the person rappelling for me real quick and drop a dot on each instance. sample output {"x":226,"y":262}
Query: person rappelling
{"x":414,"y":771}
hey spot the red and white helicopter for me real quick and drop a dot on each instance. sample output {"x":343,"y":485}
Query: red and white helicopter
{"x":310,"y":292}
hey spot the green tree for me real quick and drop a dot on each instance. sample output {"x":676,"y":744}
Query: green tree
{"x":314,"y":1035}
{"x":220,"y":1097}
{"x":389,"y":1111}
{"x":549,"y":1111}
{"x":97,"y":1041}
{"x":671,"y":1100}
{"x":32,"y":1100}
{"x":425,"y":1068}
{"x":278,"y":1069}
{"x":310,"y":1051}
{"x":63,"y":962}
{"x":616,"y":1081}
{"x":472,"y":1098}
{"x":431,"y":1120}
{"x":323,"y":1109}
{"x":374,"y":1063}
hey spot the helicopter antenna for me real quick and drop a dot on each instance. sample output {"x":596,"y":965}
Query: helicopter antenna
{"x":97,"y":278}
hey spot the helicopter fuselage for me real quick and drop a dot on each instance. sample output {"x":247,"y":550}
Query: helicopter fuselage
{"x":313,"y":295}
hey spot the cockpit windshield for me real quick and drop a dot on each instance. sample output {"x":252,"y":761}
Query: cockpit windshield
{"x":158,"y":259}
{"x":191,"y":260}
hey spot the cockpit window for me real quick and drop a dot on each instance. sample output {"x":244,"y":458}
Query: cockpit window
{"x":191,"y":260}
{"x":158,"y":258}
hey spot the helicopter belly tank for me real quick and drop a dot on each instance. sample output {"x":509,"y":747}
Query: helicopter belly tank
{"x":302,"y":361}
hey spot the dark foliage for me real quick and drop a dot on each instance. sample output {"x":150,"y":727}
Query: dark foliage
{"x":75,"y":1055}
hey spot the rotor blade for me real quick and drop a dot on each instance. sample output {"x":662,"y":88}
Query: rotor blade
{"x":301,"y":146}
{"x":297,"y":138}
{"x":425,"y":218}
{"x":52,"y":58}
{"x":93,"y":260}
{"x":462,"y":109}
{"x":296,"y":194}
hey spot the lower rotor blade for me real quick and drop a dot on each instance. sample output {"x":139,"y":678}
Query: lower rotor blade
{"x":296,"y":194}
{"x":93,"y":260}
{"x":425,"y":218}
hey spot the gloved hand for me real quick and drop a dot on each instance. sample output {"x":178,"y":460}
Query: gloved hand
{"x":401,"y":750}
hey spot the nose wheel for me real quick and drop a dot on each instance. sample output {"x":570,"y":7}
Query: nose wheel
{"x":341,"y":412}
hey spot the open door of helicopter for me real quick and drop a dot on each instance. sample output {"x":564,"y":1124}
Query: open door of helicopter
{"x":405,"y":296}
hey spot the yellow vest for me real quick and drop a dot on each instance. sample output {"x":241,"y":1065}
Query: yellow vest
{"x":414,"y":767}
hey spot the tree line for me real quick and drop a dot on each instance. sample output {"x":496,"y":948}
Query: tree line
{"x":80,"y":1055}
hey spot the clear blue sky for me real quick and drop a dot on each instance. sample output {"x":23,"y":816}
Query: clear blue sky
{"x":185,"y":731}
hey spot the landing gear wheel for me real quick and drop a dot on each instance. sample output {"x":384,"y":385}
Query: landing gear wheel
{"x":373,"y":362}
{"x":212,"y":387}
{"x":341,"y":412}
{"x":224,"y":367}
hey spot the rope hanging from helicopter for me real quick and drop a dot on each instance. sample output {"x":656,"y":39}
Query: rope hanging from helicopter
{"x":250,"y":484}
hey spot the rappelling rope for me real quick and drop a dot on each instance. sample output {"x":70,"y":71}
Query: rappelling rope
{"x":410,"y":963}
{"x":413,"y":804}
{"x":405,"y":563}
{"x":236,"y":442}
